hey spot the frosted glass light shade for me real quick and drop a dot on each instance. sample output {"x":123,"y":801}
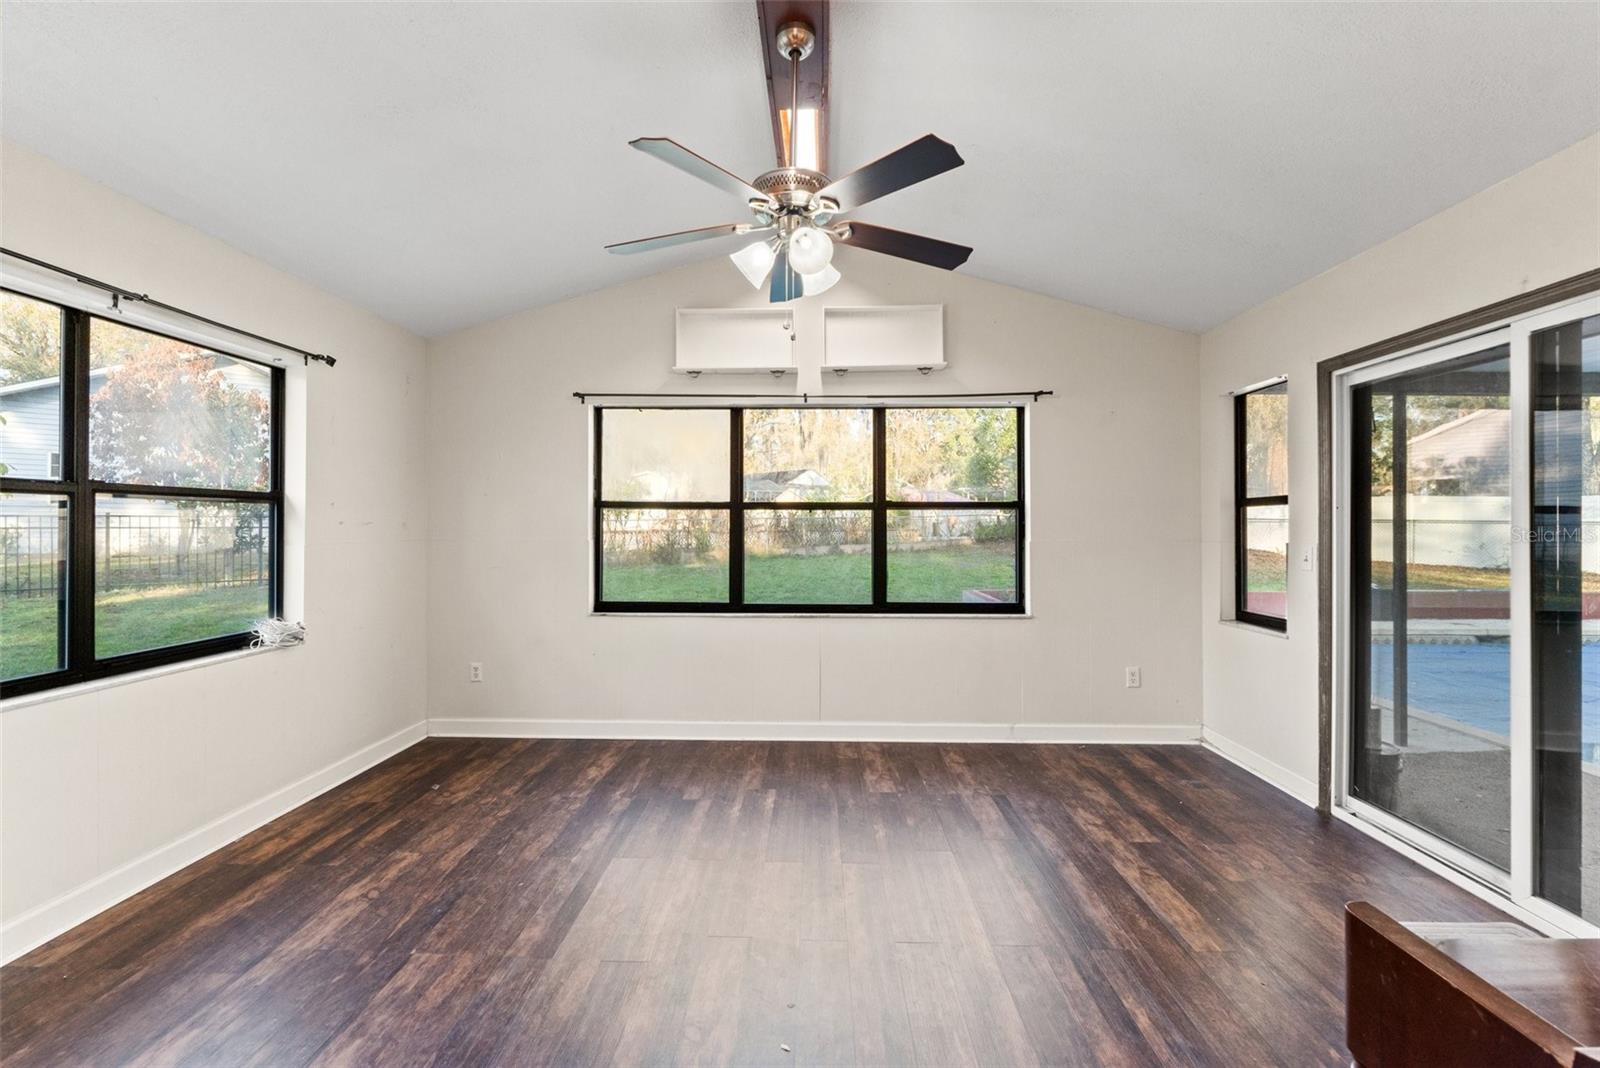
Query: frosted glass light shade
{"x":810,"y":250}
{"x":820,"y":282}
{"x":754,"y":262}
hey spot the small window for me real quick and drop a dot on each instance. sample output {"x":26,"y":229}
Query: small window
{"x":1261,"y":499}
{"x":810,"y":509}
{"x":54,"y":466}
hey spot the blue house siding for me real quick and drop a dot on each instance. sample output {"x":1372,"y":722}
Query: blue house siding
{"x":31,"y":434}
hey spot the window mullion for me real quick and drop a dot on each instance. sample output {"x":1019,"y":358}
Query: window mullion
{"x":880,"y":510}
{"x":736,"y":508}
{"x":81,"y":553}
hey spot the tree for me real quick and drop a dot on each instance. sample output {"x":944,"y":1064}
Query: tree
{"x":170,"y":417}
{"x":30,"y":341}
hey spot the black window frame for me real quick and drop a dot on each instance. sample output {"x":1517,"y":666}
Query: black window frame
{"x":76,"y":593}
{"x":879,"y":506}
{"x":1242,"y":503}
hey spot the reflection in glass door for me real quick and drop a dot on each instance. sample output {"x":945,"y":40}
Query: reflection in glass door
{"x":1430,"y":600}
{"x":1566,"y":614}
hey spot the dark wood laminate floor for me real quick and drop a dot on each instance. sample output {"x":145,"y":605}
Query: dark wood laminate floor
{"x":592,"y":902}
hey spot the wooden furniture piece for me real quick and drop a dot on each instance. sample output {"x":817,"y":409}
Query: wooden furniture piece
{"x":1468,"y":994}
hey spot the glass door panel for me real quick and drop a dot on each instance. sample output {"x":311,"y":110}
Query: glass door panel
{"x":1430,"y":590}
{"x":1565,"y":560}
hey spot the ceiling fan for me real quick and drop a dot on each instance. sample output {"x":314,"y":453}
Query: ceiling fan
{"x":797,"y":206}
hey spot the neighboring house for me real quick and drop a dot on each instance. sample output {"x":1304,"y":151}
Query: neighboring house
{"x":1469,"y":456}
{"x":932,"y":496}
{"x":798,"y":485}
{"x":30,"y":437}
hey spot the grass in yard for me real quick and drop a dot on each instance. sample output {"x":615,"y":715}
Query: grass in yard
{"x":1267,"y":572}
{"x":935,"y":576}
{"x":125,"y":622}
{"x":666,"y":582}
{"x":1447,"y":577}
{"x":941,"y":576}
{"x":27,"y":636}
{"x":834,"y":579}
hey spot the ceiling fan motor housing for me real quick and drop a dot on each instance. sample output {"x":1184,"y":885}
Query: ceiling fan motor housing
{"x":792,"y":187}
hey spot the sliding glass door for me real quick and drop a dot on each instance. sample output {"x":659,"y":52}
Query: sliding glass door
{"x":1431,"y":600}
{"x":1566,"y":613}
{"x":1468,"y":594}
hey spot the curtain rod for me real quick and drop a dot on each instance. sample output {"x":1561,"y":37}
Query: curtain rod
{"x":805,"y":398}
{"x":118,"y":293}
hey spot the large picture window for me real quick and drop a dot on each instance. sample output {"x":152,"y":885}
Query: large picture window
{"x":1261,"y":499}
{"x":140,"y":497}
{"x":822,"y":509}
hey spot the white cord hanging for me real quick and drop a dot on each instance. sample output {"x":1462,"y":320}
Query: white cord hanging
{"x":276,"y":633}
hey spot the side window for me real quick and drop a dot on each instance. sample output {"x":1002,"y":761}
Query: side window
{"x":1261,"y":506}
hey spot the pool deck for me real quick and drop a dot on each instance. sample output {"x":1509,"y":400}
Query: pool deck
{"x":1455,"y":780}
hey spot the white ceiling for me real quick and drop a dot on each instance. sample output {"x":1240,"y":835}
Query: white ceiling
{"x":447,"y":164}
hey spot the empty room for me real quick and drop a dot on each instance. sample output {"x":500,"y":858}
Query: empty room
{"x":811,"y":533}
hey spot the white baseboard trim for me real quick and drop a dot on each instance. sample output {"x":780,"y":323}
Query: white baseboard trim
{"x":39,"y":925}
{"x":1298,"y":787}
{"x":815,"y":731}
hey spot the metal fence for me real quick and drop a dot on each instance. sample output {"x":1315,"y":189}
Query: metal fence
{"x":201,"y":549}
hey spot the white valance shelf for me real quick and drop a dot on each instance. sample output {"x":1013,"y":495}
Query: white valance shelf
{"x":735,"y":341}
{"x":905,"y":337}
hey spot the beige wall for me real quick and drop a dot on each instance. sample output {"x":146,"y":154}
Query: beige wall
{"x":103,"y":789}
{"x":1260,"y":690}
{"x":443,"y":496}
{"x":1112,"y":525}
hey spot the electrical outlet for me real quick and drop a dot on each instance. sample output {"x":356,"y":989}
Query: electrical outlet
{"x":1308,"y":558}
{"x":1130,"y":678}
{"x":474,"y":672}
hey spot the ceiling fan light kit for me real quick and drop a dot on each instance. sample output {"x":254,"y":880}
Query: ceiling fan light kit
{"x":797,"y":205}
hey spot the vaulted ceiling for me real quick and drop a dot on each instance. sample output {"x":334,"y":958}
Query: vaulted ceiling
{"x":445,"y":164}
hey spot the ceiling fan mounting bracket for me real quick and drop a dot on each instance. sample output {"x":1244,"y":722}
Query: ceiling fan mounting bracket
{"x":796,"y":37}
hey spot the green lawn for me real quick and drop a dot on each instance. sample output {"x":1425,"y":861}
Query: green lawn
{"x":937,"y":576}
{"x":1268,"y":572}
{"x":125,"y":622}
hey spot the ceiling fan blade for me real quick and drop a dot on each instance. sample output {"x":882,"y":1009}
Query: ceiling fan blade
{"x":669,"y":151}
{"x":785,"y":283}
{"x":929,"y":250}
{"x":682,"y":237}
{"x":907,"y":165}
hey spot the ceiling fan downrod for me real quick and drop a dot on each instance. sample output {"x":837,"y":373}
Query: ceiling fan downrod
{"x":795,"y":42}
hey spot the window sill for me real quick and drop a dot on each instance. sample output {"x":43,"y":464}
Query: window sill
{"x":78,"y":689}
{"x":1255,"y":628}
